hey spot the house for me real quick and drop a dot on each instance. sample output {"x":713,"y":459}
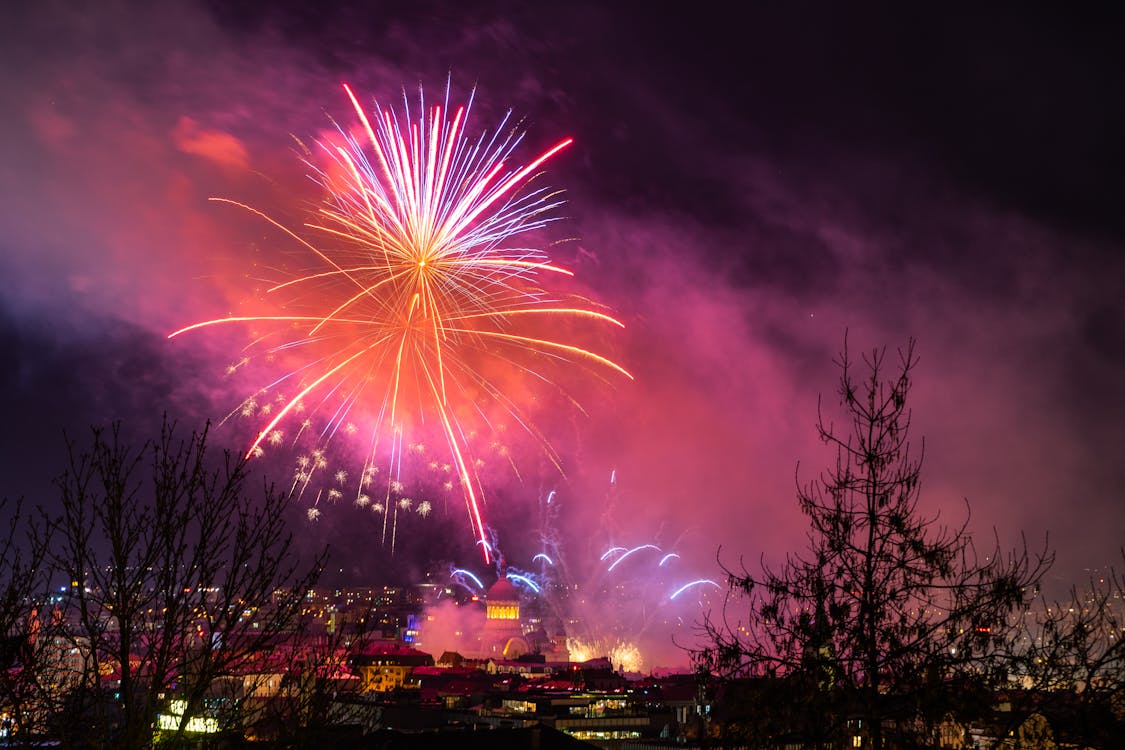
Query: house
{"x":387,"y":666}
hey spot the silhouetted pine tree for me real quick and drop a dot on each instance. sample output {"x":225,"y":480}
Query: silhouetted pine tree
{"x":888,"y":619}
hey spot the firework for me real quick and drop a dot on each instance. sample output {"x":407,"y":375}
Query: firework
{"x":624,"y":656}
{"x":626,"y":613}
{"x":687,"y":586}
{"x":417,"y":297}
{"x":525,"y":580}
{"x":630,"y":603}
{"x":459,"y":573}
{"x":626,"y":553}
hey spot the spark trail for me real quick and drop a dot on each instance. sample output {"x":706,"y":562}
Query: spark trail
{"x":417,"y":300}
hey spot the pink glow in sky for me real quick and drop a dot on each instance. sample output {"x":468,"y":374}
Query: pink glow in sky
{"x":737,"y":224}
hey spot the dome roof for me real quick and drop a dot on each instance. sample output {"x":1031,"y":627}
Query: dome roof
{"x":503,"y":591}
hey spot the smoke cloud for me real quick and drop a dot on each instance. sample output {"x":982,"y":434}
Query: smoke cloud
{"x":740,"y":213}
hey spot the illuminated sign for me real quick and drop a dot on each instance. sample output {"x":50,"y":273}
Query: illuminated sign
{"x":171,"y":721}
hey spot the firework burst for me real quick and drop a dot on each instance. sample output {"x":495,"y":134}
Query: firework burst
{"x":418,"y":300}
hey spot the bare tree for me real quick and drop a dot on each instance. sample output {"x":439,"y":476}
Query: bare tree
{"x":26,"y":628}
{"x":180,"y":578}
{"x":886,"y":608}
{"x":1067,"y":665}
{"x":312,"y":693}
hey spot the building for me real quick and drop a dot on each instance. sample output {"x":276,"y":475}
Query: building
{"x":502,"y":636}
{"x":387,"y":666}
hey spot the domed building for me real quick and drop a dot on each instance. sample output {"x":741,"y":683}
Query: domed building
{"x":502,"y":636}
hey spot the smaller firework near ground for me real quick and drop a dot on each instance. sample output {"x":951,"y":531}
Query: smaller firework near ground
{"x":638,"y":605}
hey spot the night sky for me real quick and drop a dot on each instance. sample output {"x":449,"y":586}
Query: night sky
{"x":744,"y":187}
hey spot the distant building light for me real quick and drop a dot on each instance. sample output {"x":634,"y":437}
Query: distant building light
{"x":198,"y":724}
